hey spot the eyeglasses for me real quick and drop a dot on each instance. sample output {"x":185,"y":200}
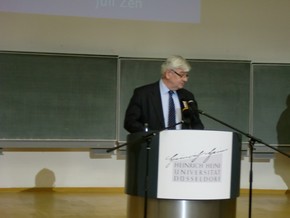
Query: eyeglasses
{"x":185,"y":75}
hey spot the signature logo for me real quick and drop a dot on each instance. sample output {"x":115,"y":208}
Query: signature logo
{"x":194,"y":157}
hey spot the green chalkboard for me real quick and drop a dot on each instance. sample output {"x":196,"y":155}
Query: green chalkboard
{"x":65,"y":96}
{"x":271,"y":102}
{"x":57,"y":96}
{"x":134,"y":73}
{"x":220,"y":87}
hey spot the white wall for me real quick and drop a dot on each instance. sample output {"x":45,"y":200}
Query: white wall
{"x":69,"y":169}
{"x":256,"y":30}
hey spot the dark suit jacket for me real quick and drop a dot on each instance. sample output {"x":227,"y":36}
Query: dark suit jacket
{"x":146,"y":107}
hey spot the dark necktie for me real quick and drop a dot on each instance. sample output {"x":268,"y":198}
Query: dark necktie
{"x":171,"y":112}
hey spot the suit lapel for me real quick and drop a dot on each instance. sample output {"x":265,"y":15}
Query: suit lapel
{"x":156,"y":103}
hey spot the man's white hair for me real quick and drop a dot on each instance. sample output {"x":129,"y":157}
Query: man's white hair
{"x":175,"y":62}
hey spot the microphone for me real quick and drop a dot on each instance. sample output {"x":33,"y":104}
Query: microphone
{"x":194,"y":110}
{"x":186,"y":113}
{"x":184,"y":107}
{"x":192,"y":105}
{"x":190,"y":114}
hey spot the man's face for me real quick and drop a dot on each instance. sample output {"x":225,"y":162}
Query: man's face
{"x":176,"y":78}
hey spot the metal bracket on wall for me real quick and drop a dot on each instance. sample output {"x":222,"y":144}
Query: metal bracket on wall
{"x":99,"y":153}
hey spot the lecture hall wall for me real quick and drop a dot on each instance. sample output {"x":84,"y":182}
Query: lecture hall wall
{"x":256,"y":30}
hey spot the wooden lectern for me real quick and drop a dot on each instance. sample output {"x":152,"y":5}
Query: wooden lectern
{"x":183,"y":174}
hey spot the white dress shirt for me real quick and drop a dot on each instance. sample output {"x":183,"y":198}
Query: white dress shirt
{"x":165,"y":102}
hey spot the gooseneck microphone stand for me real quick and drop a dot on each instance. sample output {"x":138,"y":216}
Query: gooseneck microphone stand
{"x":252,"y":141}
{"x":146,"y":138}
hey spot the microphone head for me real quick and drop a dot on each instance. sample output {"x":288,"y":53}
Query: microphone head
{"x":184,"y":105}
{"x":190,"y":102}
{"x":192,"y":105}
